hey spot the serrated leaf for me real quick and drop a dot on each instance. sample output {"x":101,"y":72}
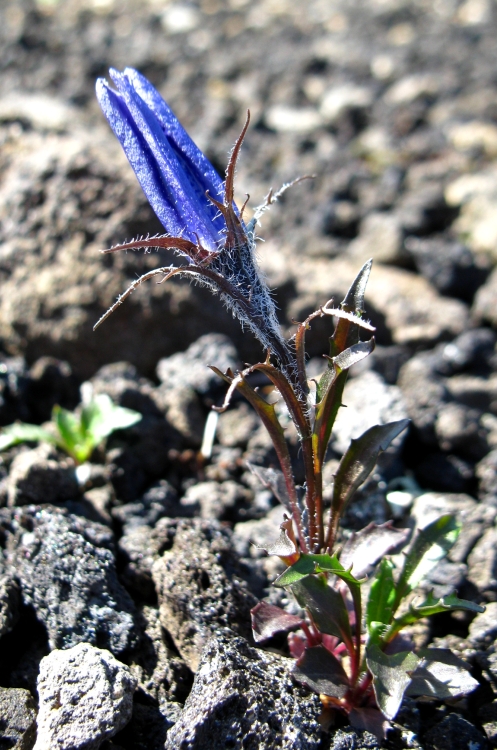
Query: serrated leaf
{"x":326,"y":607}
{"x":267,"y":620}
{"x":441,"y":674}
{"x":353,"y":354}
{"x":391,"y":677}
{"x":381,"y":595}
{"x":305,"y":565}
{"x":354,"y":299}
{"x":322,"y":672}
{"x":364,"y":548}
{"x":430,"y":545}
{"x":308,"y":564}
{"x":22,"y":432}
{"x":357,"y":463}
{"x":432,"y":606}
{"x":331,"y":384}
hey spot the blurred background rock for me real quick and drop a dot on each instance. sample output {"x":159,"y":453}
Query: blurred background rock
{"x":391,"y":104}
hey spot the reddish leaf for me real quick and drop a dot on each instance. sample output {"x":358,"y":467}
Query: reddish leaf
{"x":366,"y":547}
{"x":267,"y":620}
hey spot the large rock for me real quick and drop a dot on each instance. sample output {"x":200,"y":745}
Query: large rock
{"x":36,"y":476}
{"x":245,"y":697}
{"x":69,"y":578}
{"x":200,"y":588}
{"x":17,"y":719}
{"x":86,"y":696}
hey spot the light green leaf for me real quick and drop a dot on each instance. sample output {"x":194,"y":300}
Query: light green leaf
{"x":381,"y":595}
{"x":430,"y":545}
{"x":432,"y":606}
{"x":101,"y":417}
{"x":22,"y":432}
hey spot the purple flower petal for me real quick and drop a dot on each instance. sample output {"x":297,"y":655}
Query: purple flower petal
{"x":200,"y":167}
{"x":173,"y":185}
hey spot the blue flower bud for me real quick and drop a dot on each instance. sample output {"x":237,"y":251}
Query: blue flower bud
{"x":173,"y":172}
{"x":195,"y":207}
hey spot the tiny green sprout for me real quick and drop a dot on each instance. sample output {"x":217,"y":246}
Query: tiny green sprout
{"x":78,"y":433}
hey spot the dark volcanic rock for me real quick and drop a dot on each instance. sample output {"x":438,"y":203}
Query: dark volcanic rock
{"x":9,"y":601}
{"x":69,"y":578}
{"x":51,"y":382}
{"x":37,"y":476}
{"x":484,"y":304}
{"x":450,"y":266}
{"x":454,"y":733}
{"x":191,"y":367}
{"x":424,"y":394}
{"x":17,"y":719}
{"x":245,"y":697}
{"x":163,"y":677}
{"x":159,"y":501}
{"x":200,"y":586}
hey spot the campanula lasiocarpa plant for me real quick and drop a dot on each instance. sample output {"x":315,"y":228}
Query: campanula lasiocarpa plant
{"x":76,"y":433}
{"x":348,"y":651}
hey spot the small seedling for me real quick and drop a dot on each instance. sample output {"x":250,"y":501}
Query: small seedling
{"x":349,"y":651}
{"x":78,"y":433}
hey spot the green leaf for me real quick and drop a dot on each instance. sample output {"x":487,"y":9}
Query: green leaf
{"x":381,"y":595}
{"x":305,"y":565}
{"x":430,"y":545}
{"x":101,"y":417}
{"x":326,"y":607}
{"x":354,"y":299}
{"x":432,"y":606}
{"x":22,"y":432}
{"x":441,"y":674}
{"x":322,"y":672}
{"x":356,"y":465}
{"x":376,"y":633}
{"x":391,"y":677}
{"x":353,"y":354}
{"x":69,"y":429}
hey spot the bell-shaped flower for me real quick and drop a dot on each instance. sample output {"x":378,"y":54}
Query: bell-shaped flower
{"x":173,"y":172}
{"x":195,"y":207}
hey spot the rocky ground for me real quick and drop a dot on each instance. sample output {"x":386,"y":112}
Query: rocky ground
{"x":137,"y":574}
